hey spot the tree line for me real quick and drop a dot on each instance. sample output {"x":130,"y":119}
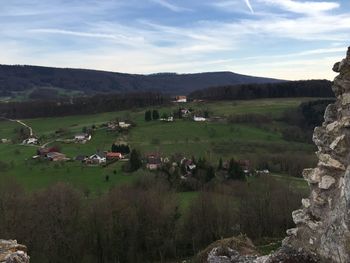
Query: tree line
{"x":141,"y":222}
{"x":305,"y":88}
{"x":81,"y":105}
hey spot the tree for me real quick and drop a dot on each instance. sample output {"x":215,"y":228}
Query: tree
{"x":135,"y":160}
{"x":235,"y":171}
{"x":164,"y":115}
{"x":155,"y":115}
{"x":210,"y":174}
{"x":148,"y":115}
{"x":220,"y":164}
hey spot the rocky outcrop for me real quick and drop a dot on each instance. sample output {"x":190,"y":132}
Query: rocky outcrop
{"x":11,"y":252}
{"x":323,"y":221}
{"x":322,"y":232}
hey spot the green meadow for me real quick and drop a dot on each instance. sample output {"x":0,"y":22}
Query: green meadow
{"x":210,"y":140}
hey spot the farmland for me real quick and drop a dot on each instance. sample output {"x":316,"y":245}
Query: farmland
{"x":210,"y":140}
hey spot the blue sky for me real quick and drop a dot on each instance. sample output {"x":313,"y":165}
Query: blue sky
{"x":289,"y":39}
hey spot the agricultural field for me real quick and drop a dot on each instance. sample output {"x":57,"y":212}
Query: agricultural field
{"x":212,"y":140}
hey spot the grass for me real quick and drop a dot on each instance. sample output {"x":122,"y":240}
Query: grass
{"x":210,"y":140}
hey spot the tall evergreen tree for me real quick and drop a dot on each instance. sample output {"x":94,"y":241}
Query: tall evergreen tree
{"x":148,"y":115}
{"x":135,"y":160}
{"x":155,"y":115}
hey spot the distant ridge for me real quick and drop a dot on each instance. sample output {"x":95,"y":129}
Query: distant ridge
{"x":17,"y":78}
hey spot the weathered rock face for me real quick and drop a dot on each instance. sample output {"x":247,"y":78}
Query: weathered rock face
{"x":11,"y":252}
{"x":324,"y":221}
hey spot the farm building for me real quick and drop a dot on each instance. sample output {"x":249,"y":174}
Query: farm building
{"x":153,"y":161}
{"x":199,"y":119}
{"x":113,"y":156}
{"x":82,"y":137}
{"x":181,"y":99}
{"x":56,"y":157}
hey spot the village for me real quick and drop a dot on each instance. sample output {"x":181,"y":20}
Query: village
{"x":120,"y":151}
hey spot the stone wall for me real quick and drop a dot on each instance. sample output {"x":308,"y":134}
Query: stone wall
{"x":11,"y":252}
{"x":323,"y":222}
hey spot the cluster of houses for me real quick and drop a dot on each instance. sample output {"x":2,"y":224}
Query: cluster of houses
{"x":187,"y":113}
{"x":53,"y":154}
{"x":100,"y":158}
{"x":154,"y":161}
{"x":118,"y":125}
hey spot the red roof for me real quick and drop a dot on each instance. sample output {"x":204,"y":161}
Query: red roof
{"x":114,"y":155}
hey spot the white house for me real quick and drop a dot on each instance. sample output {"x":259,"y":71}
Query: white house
{"x":196,"y":118}
{"x":97,"y":158}
{"x":31,"y":141}
{"x":82,"y":137}
{"x":124,"y":125}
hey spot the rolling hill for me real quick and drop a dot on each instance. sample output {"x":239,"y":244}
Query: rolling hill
{"x":18,"y":79}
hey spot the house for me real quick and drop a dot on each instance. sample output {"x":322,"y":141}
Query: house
{"x":169,"y":119}
{"x":113,"y":156}
{"x":97,"y":158}
{"x":42,"y":152}
{"x":81,"y":158}
{"x":31,"y":141}
{"x":124,"y":125}
{"x":185,"y":112}
{"x":153,"y":161}
{"x":181,"y":99}
{"x":82,"y":137}
{"x":189,"y":165}
{"x":199,"y":119}
{"x":245,"y":164}
{"x":5,"y":140}
{"x":56,"y":157}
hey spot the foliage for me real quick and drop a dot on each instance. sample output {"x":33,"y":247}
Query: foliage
{"x":305,"y":88}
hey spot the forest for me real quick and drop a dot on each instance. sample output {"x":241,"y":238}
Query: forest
{"x":81,"y":105}
{"x":303,"y":88}
{"x":142,"y":222}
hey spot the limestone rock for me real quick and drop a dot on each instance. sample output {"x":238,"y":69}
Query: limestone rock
{"x":326,"y":182}
{"x":330,"y":114}
{"x":11,"y":252}
{"x":313,"y":176}
{"x":328,"y":161}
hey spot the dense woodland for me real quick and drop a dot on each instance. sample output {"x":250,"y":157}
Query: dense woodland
{"x":23,"y":78}
{"x":143,"y":222}
{"x":81,"y":105}
{"x":305,"y":88}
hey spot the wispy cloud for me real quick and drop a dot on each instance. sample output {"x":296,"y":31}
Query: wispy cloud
{"x":283,"y":39}
{"x":170,"y":6}
{"x":116,"y":37}
{"x":303,"y":7}
{"x":249,"y":6}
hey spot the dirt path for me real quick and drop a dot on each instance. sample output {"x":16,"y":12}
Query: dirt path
{"x":25,"y":125}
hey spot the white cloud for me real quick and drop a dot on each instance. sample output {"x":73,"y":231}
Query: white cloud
{"x":304,"y":7}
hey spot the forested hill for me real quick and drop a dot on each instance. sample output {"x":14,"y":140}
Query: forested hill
{"x":14,"y":79}
{"x":303,"y":88}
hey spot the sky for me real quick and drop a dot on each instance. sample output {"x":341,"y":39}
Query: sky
{"x":286,"y":39}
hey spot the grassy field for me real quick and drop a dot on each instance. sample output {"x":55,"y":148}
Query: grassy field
{"x":210,"y":140}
